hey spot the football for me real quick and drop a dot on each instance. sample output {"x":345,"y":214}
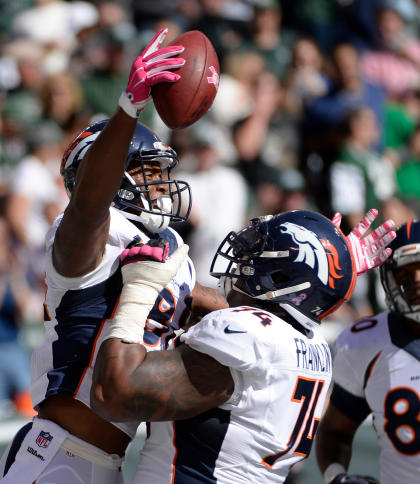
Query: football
{"x":183,"y":102}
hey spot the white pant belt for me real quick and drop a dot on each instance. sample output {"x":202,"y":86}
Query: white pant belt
{"x":91,"y":453}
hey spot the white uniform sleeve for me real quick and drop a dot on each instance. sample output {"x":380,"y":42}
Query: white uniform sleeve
{"x":229,"y":340}
{"x":345,"y":371}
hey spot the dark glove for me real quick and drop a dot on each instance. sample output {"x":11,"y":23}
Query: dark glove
{"x":352,"y":479}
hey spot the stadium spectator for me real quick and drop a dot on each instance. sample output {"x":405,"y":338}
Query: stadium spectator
{"x":318,"y":19}
{"x":408,"y":173}
{"x":220,"y":200}
{"x":18,"y":304}
{"x":348,"y":91}
{"x":63,"y":103}
{"x":55,"y":24}
{"x":306,"y":78}
{"x":360,"y":177}
{"x":268,"y":136}
{"x":226,"y":24}
{"x":401,"y":118}
{"x":268,"y":37}
{"x":103,"y":82}
{"x":35,"y":198}
{"x":395,"y":65}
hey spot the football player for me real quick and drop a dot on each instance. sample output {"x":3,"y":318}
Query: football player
{"x":118,"y":175}
{"x":377,"y":372}
{"x":246,"y":385}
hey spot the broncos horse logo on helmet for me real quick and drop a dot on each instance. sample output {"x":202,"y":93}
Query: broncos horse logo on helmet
{"x":311,"y":250}
{"x":145,"y":147}
{"x":404,"y":296}
{"x":297,"y":259}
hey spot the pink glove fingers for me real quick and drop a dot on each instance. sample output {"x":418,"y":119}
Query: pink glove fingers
{"x":365,"y":223}
{"x":145,"y":252}
{"x":164,"y":53}
{"x":383,"y":256}
{"x":336,"y":220}
{"x":389,"y":237}
{"x":164,"y":65}
{"x":382,"y":229}
{"x":155,"y":43}
{"x":389,"y":224}
{"x":163,"y":77}
{"x":369,"y":252}
{"x":375,"y":246}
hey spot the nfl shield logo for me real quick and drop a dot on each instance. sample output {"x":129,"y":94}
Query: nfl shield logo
{"x":44,"y":439}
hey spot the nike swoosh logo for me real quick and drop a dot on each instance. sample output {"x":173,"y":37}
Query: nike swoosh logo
{"x":231,"y":331}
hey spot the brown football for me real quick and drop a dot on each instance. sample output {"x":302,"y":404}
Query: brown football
{"x":183,"y":102}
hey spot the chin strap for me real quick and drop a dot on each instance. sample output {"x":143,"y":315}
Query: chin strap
{"x":304,"y":320}
{"x":226,"y":284}
{"x":414,"y":316}
{"x":154,"y":222}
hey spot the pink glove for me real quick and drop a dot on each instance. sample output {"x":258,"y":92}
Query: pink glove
{"x":150,"y":68}
{"x":155,"y":250}
{"x":371,"y":251}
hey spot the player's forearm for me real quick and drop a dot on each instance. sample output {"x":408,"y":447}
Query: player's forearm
{"x":166,"y":385}
{"x":332,"y":447}
{"x":83,"y":232}
{"x":205,"y":300}
{"x":115,"y":362}
{"x":101,"y":170}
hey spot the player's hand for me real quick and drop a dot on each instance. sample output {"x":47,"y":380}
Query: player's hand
{"x":153,"y":65}
{"x":148,"y":264}
{"x":155,"y":250}
{"x":353,"y":479}
{"x":370,"y":251}
{"x":146,"y":270}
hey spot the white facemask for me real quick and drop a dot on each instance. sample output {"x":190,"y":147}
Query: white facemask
{"x":153,"y":222}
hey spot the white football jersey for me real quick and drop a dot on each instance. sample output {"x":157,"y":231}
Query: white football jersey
{"x":76,"y":311}
{"x":281,"y":376}
{"x":377,"y":370}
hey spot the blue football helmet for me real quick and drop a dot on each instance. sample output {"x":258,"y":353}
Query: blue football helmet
{"x":403,"y":298}
{"x":145,"y":147}
{"x":297,"y":260}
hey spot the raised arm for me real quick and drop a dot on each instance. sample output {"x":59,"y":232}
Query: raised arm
{"x":83,"y":232}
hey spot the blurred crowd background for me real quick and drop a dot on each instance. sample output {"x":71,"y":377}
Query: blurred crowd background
{"x":318,"y":108}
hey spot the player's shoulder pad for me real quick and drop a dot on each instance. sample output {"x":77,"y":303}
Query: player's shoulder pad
{"x":232,"y":339}
{"x":365,"y":333}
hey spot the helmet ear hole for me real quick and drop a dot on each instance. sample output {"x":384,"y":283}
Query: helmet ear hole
{"x":279,"y":277}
